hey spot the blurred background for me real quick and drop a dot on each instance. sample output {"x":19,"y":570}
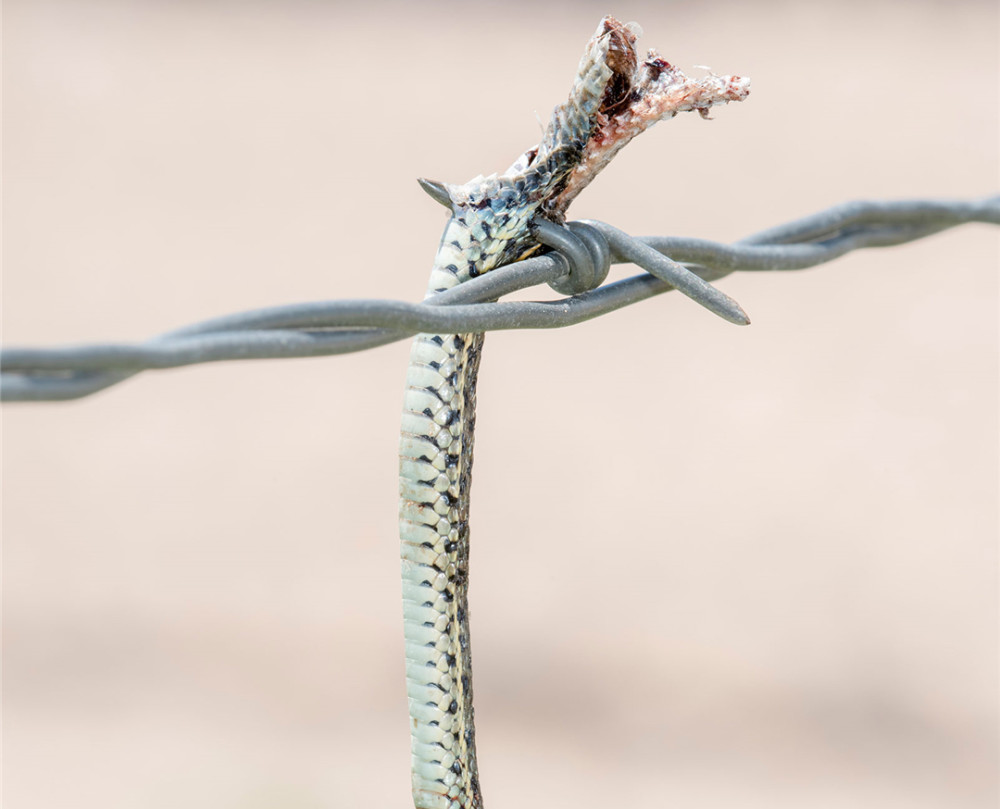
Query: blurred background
{"x":758,"y":567}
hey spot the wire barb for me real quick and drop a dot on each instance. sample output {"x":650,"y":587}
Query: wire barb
{"x":338,"y":327}
{"x":436,"y":191}
{"x":677,"y":275}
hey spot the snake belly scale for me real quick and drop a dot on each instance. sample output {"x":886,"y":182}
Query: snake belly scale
{"x":613,"y":98}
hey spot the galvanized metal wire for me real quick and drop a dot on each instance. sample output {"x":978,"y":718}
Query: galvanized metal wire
{"x":338,"y":327}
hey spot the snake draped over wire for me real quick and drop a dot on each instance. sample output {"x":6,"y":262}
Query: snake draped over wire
{"x":615,"y":96}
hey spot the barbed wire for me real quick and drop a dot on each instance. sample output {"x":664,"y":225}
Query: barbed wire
{"x":337,"y":327}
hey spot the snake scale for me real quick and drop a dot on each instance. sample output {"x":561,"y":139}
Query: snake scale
{"x":614,"y":97}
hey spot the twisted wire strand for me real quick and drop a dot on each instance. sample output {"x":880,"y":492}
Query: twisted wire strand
{"x":338,"y":327}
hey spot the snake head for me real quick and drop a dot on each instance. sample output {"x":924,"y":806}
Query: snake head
{"x":615,"y":96}
{"x":636,"y":94}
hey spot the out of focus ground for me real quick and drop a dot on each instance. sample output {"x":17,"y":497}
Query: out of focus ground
{"x":759,"y":564}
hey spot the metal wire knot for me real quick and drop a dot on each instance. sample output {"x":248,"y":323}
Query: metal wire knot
{"x":581,"y":247}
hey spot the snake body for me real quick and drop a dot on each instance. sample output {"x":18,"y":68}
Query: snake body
{"x":612,"y":99}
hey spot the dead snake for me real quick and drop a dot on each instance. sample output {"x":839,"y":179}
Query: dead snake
{"x":615,"y":96}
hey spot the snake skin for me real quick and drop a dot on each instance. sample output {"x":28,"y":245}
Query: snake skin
{"x":489,"y":227}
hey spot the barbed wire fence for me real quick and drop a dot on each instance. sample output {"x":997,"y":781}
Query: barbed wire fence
{"x":579,"y":260}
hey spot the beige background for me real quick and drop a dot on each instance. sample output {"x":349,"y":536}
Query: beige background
{"x":759,"y":565}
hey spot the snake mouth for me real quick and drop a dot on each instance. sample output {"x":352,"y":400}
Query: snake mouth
{"x":634,"y":96}
{"x":616,"y":96}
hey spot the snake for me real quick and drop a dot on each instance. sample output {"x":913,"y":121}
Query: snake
{"x":493,"y":221}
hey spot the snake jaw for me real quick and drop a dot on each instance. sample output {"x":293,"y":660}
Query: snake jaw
{"x":615,"y":97}
{"x":656,"y":91}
